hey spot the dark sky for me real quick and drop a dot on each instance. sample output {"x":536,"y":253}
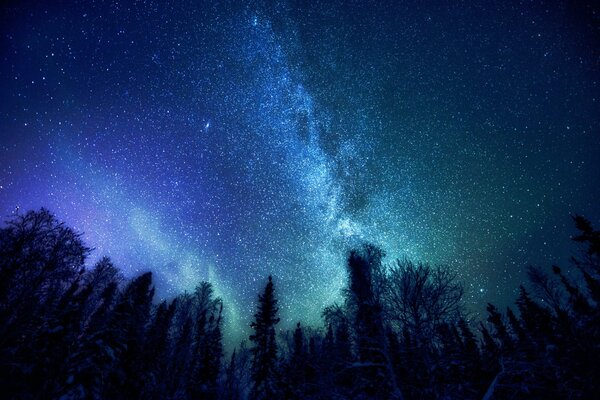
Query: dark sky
{"x":229,"y":140}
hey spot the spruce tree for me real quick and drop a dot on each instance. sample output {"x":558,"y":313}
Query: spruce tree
{"x":89,"y":364}
{"x":296,"y":370}
{"x":208,"y":353}
{"x":536,"y":319}
{"x":156,"y":351}
{"x":60,"y":337}
{"x":127,"y":328}
{"x":180,"y":361}
{"x":500,"y":331}
{"x":264,"y":351}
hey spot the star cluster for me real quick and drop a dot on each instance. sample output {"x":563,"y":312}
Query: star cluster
{"x":225,"y":141}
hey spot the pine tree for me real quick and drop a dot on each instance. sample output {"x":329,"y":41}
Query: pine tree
{"x":89,"y":365}
{"x":515,"y":325}
{"x":296,"y":366}
{"x":298,"y":350}
{"x":536,"y":320}
{"x":489,"y":346}
{"x":471,"y":361}
{"x":98,"y":279}
{"x":264,"y":351}
{"x":181,"y":359}
{"x":156,"y":351}
{"x":501,"y":333}
{"x":448,"y":373}
{"x":60,"y":337}
{"x":593,"y":285}
{"x":591,"y":237}
{"x":579,"y":303}
{"x":208,"y":352}
{"x":329,"y":340}
{"x":232,"y":384}
{"x":126,"y":334}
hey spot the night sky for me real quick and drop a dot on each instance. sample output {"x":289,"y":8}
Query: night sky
{"x":224,"y":141}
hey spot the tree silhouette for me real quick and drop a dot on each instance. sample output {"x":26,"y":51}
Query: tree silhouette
{"x":72,"y":333}
{"x":264,"y":351}
{"x":375,"y":374}
{"x":40,"y":259}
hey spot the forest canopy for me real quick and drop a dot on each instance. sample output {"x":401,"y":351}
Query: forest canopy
{"x":401,"y":332}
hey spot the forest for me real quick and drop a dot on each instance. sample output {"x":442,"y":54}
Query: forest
{"x":400,"y":332}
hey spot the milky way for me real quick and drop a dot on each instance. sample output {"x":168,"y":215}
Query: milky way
{"x":225,"y":142}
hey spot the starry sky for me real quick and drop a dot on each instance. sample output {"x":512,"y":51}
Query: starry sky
{"x":223,"y":141}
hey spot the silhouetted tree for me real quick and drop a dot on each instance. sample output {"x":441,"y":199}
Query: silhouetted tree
{"x":126,"y":336}
{"x":208,"y":345}
{"x":337,"y":380}
{"x":58,"y":338}
{"x":264,"y":351}
{"x":374,"y":373}
{"x":157,"y":351}
{"x":71,"y":333}
{"x":420,"y":297}
{"x":98,"y":279}
{"x":40,"y":259}
{"x":237,"y":383}
{"x":500,"y":330}
{"x":298,"y":361}
{"x":590,"y":237}
{"x":89,"y":364}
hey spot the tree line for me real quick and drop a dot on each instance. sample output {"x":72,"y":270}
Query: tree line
{"x":401,"y":332}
